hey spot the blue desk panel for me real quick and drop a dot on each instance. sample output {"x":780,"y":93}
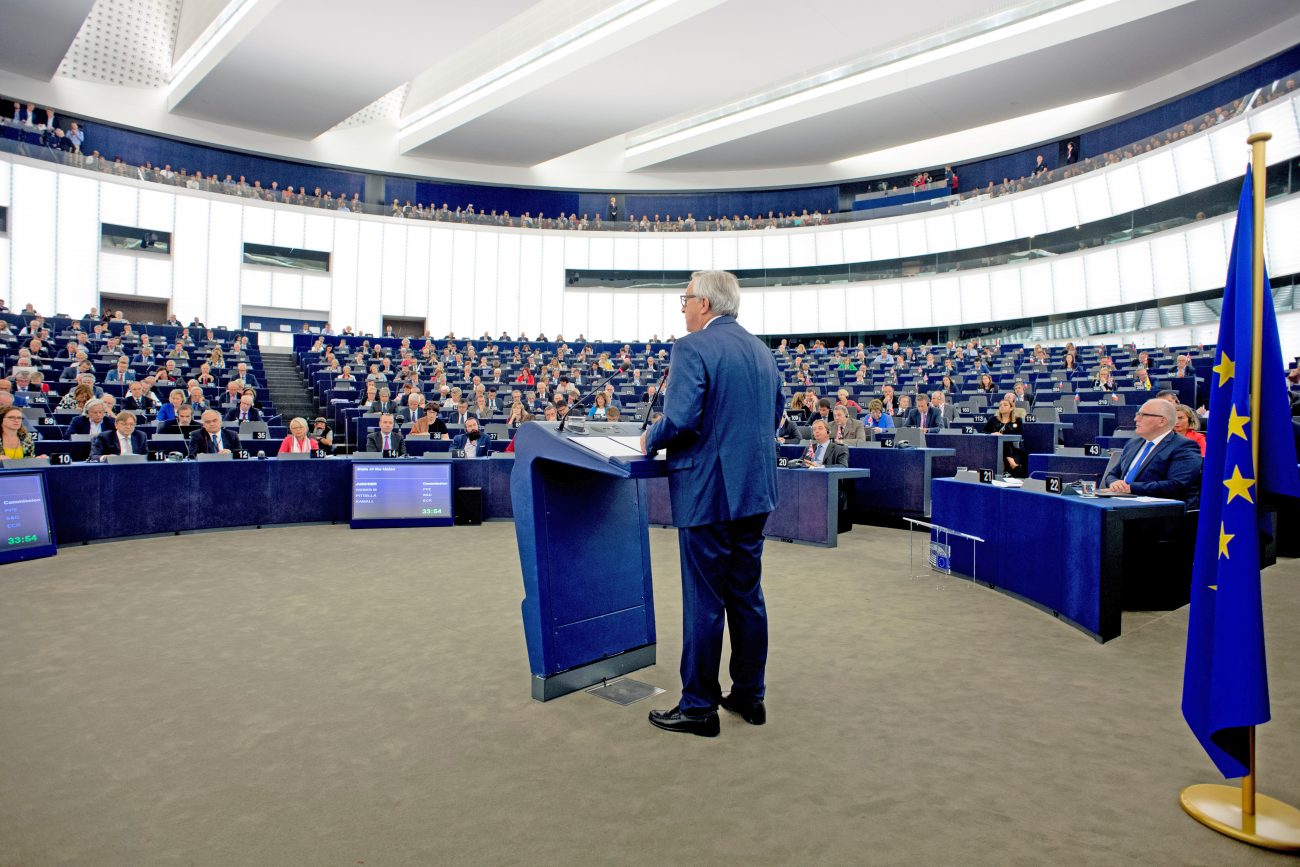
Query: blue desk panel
{"x":1070,"y":467}
{"x":899,"y":483}
{"x":1061,"y":553}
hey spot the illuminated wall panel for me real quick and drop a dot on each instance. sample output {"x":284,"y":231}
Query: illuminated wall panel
{"x":507,"y":277}
{"x":1159,"y":176}
{"x":627,"y":255}
{"x":344,"y":263}
{"x":884,"y":241}
{"x":485,"y":283}
{"x":416,"y":300}
{"x":677,"y":255}
{"x":370,"y":270}
{"x":1036,"y":289}
{"x":1101,"y":276}
{"x":650,"y":314}
{"x":1207,"y":256}
{"x":575,"y":316}
{"x":463,"y":259}
{"x":576,"y":252}
{"x":627,"y":324}
{"x":1029,"y":216}
{"x":860,"y":308}
{"x":776,"y":314}
{"x":1125,"y":187}
{"x":219,"y":301}
{"x":857,"y":244}
{"x":726,"y":253}
{"x":316,"y":292}
{"x":976,"y":301}
{"x":830,"y":247}
{"x":1068,"y":285}
{"x":674,"y":325}
{"x":4,"y":272}
{"x":120,"y":204}
{"x":33,"y":219}
{"x":1059,"y":209}
{"x":911,"y":238}
{"x":751,"y":251}
{"x":553,"y":293}
{"x":318,"y":232}
{"x":157,"y":210}
{"x":652,"y":254}
{"x":438,"y":317}
{"x":391,"y":274}
{"x":286,"y":291}
{"x":889,"y":306}
{"x":601,"y":253}
{"x":946,"y":306}
{"x":916,"y":305}
{"x":1230,"y":151}
{"x":116,"y":275}
{"x":700,"y":254}
{"x":76,"y":274}
{"x":259,"y":225}
{"x":255,"y":286}
{"x":776,"y":250}
{"x":941,"y":233}
{"x":153,"y":276}
{"x":1092,"y":198}
{"x":1169,"y":265}
{"x":1004,"y":293}
{"x":1194,"y":165}
{"x":803,"y":249}
{"x":804,"y":317}
{"x":968,"y":226}
{"x":1137,"y":281}
{"x":999,"y":222}
{"x":530,"y":283}
{"x":600,"y":317}
{"x":6,"y":169}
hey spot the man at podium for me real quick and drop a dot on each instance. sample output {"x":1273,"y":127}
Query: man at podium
{"x":722,"y":482}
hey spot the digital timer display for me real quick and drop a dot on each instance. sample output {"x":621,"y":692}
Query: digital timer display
{"x":401,"y":493}
{"x":27,"y":532}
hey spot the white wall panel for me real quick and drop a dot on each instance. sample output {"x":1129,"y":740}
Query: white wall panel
{"x":1194,"y":164}
{"x":917,"y":312}
{"x":575,"y":315}
{"x":726,"y":253}
{"x":803,"y":250}
{"x":1137,"y":282}
{"x":416,"y":301}
{"x":699,"y":254}
{"x":1207,"y":257}
{"x":652,"y":253}
{"x":804,"y":317}
{"x":255,"y":287}
{"x":832,"y":314}
{"x":674,"y":324}
{"x":4,"y":271}
{"x":600,"y":317}
{"x":530,"y":284}
{"x":259,"y":225}
{"x":438,"y":315}
{"x":577,"y":252}
{"x":1004,"y":293}
{"x":946,"y":301}
{"x":463,"y":259}
{"x":1280,"y":120}
{"x":751,"y":252}
{"x":76,"y":276}
{"x":1036,"y":289}
{"x":776,"y":250}
{"x":1124,"y":184}
{"x":941,"y":233}
{"x":1059,"y":209}
{"x":153,"y":276}
{"x":911,"y":238}
{"x":316,"y":291}
{"x":968,"y":226}
{"x":190,"y":255}
{"x":485,"y":284}
{"x":6,"y":184}
{"x":318,"y":233}
{"x":286,"y":290}
{"x":346,"y":263}
{"x":1230,"y":151}
{"x":626,"y":324}
{"x":119,"y":204}
{"x":289,"y":228}
{"x":507,"y":315}
{"x":1159,"y":176}
{"x":33,"y":219}
{"x":999,"y":222}
{"x":889,"y":306}
{"x":1281,"y":228}
{"x":157,"y":210}
{"x":1169,"y":265}
{"x":857,"y":245}
{"x":884,"y":241}
{"x":552,"y":280}
{"x":391,"y":274}
{"x":600,"y":254}
{"x":1092,"y":198}
{"x":116,"y":276}
{"x":1101,"y":277}
{"x":1028,"y":214}
{"x":830,"y":248}
{"x":860,"y":306}
{"x":1068,"y":284}
{"x":976,"y":299}
{"x":220,"y":299}
{"x":776,"y":311}
{"x":627,"y":254}
{"x":650,"y":314}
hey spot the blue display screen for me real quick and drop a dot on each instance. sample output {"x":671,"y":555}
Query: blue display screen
{"x":401,"y":494}
{"x":27,"y":533}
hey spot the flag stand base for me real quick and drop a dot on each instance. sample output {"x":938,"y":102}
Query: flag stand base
{"x":1275,"y":825}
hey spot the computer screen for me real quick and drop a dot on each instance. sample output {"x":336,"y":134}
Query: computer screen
{"x":401,"y":494}
{"x":27,"y":531}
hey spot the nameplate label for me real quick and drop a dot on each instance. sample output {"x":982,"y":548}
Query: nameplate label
{"x":157,"y":456}
{"x":968,"y":429}
{"x":259,"y":434}
{"x":1092,"y":450}
{"x":783,"y":462}
{"x":61,"y":458}
{"x":1053,"y":484}
{"x":458,"y":453}
{"x":240,"y":454}
{"x":986,"y":477}
{"x":388,"y":453}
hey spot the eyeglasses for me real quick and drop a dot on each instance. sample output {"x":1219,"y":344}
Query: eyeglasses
{"x":1148,"y":414}
{"x":686,"y":298}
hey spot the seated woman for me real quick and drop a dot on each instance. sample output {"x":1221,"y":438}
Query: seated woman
{"x":986,"y":384}
{"x":370,"y":395}
{"x":876,"y":417}
{"x":175,"y":399}
{"x":599,"y":406}
{"x":94,"y":420}
{"x":1188,"y":424}
{"x":1004,"y":421}
{"x":15,"y":440}
{"x":796,"y":409}
{"x":77,"y":398}
{"x":947,"y":386}
{"x":297,"y":440}
{"x":845,"y":400}
{"x":1104,"y":381}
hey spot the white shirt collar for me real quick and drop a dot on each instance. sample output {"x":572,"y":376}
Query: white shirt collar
{"x":710,"y":322}
{"x":1158,"y":440}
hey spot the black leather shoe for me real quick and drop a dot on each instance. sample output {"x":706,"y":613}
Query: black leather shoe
{"x":754,"y":712}
{"x":674,"y":720}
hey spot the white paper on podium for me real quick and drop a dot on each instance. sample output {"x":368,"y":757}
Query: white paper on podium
{"x":612,"y":447}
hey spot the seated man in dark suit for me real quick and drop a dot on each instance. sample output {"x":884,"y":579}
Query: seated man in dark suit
{"x":923,"y":415}
{"x":385,"y":439}
{"x":183,"y":424}
{"x":475,"y":443}
{"x":1157,"y":462}
{"x":124,"y":440}
{"x":822,"y":452}
{"x":212,"y":439}
{"x":245,"y":411}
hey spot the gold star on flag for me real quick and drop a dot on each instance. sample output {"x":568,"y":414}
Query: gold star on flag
{"x":1225,"y":368}
{"x":1224,"y":538}
{"x":1238,"y":486}
{"x":1237,"y":424}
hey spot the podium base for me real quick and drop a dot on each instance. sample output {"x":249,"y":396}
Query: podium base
{"x":547,"y":687}
{"x":1275,"y":825}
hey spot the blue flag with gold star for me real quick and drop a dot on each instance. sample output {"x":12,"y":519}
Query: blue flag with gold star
{"x":1225,"y":679}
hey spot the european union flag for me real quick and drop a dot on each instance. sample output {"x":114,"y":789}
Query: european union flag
{"x":1225,"y":680}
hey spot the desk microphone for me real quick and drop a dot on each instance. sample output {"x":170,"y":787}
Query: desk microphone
{"x":650,"y":408}
{"x":622,"y":368}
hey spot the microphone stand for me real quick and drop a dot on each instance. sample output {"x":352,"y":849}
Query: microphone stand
{"x":590,"y":394}
{"x":649,"y":410}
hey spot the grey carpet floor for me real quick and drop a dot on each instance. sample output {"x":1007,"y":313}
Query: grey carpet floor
{"x":321,"y":696}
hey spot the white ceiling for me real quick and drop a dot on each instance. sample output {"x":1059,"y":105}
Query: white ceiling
{"x":329,"y":79}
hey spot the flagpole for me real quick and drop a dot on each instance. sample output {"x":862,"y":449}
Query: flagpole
{"x":1255,"y":819}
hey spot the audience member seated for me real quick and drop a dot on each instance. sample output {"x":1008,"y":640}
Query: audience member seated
{"x":430,"y":423}
{"x":212,"y":438}
{"x":876,"y":418}
{"x":1157,"y":462}
{"x":462,"y":414}
{"x":1188,"y":424}
{"x":245,"y":411}
{"x":383,"y":401}
{"x":320,"y":431}
{"x":947,"y":411}
{"x":183,"y":422}
{"x":122,"y":372}
{"x":848,"y":431}
{"x":1005,"y":421}
{"x":298,"y":440}
{"x":93,"y":421}
{"x":475,"y":443}
{"x":385,"y":439}
{"x":77,"y":398}
{"x":175,"y":400}
{"x":923,"y":415}
{"x":821,"y":451}
{"x":15,"y":440}
{"x":821,"y":412}
{"x":788,"y":429}
{"x":123,"y":440}
{"x":137,"y":400}
{"x":1104,"y":381}
{"x":986,"y":384}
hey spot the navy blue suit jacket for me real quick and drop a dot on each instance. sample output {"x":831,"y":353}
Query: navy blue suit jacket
{"x":481,"y":449}
{"x":722,"y":406}
{"x":81,"y":425}
{"x":199,"y":442}
{"x":107,"y":444}
{"x":1172,"y":470}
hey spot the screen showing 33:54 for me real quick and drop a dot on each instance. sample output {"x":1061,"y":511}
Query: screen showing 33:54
{"x":26,"y":531}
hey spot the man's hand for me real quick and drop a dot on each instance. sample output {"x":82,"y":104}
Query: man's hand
{"x":643,"y":451}
{"x":1120,"y":487}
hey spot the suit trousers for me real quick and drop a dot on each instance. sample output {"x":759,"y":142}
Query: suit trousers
{"x":722,"y":570}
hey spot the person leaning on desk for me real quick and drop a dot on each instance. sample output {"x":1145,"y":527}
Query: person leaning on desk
{"x":822,"y":452}
{"x":1157,"y":462}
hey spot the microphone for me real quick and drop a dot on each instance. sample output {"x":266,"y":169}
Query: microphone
{"x":649,"y":410}
{"x":622,"y":368}
{"x":261,"y":455}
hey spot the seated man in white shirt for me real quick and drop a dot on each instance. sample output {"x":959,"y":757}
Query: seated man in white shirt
{"x":124,"y":440}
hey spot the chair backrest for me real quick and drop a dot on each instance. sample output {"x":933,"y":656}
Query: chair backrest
{"x":81,"y":438}
{"x":1046,"y":413}
{"x":250,"y":427}
{"x":913,"y":436}
{"x":293,"y":456}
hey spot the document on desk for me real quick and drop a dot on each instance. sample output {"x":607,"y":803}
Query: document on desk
{"x":1154,"y":500}
{"x":612,"y":447}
